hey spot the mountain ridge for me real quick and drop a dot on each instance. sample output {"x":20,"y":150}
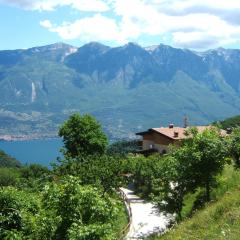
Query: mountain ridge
{"x":128,"y":88}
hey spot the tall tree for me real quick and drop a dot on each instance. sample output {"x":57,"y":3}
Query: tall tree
{"x":195,"y":164}
{"x":82,"y":136}
{"x":202,"y":158}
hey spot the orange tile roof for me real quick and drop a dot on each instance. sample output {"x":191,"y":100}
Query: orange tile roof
{"x":180,"y":132}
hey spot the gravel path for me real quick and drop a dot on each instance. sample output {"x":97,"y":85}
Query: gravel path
{"x":145,"y":217}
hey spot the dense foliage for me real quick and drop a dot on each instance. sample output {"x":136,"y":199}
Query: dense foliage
{"x":235,"y":146}
{"x":218,"y":219}
{"x":65,"y":209}
{"x":195,"y":165}
{"x":123,"y":147}
{"x":76,"y":200}
{"x":82,"y":136}
{"x":101,"y":171}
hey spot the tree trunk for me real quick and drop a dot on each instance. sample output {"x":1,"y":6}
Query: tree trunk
{"x":207,"y":191}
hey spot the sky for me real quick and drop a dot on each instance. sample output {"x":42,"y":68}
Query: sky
{"x":194,"y":24}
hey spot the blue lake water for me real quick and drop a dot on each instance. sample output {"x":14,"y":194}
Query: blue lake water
{"x":34,"y":151}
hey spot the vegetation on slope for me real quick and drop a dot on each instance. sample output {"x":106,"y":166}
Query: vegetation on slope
{"x":219,"y":219}
{"x":232,"y":122}
{"x":76,"y":200}
{"x":8,"y":161}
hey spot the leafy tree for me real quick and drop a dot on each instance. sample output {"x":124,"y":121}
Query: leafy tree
{"x":8,"y":176}
{"x":144,"y":171}
{"x":235,"y":146}
{"x":157,"y":177}
{"x":82,"y":135}
{"x":210,"y":152}
{"x":195,"y":164}
{"x":18,"y":209}
{"x":34,"y":171}
{"x":82,"y":211}
{"x":104,"y":171}
{"x":123,"y":147}
{"x":169,"y":187}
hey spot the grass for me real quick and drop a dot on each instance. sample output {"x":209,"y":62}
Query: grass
{"x":219,"y":219}
{"x":122,"y":220}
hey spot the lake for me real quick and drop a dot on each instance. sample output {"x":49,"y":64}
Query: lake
{"x":33,"y":151}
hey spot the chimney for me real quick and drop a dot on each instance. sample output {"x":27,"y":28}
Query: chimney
{"x":175,"y":134}
{"x":171,"y":125}
{"x":185,"y":122}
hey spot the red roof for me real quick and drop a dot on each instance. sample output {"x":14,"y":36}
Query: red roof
{"x":177,"y":133}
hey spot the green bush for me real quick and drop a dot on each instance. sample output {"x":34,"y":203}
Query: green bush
{"x":8,"y":176}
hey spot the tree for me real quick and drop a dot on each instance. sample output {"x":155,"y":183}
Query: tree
{"x":18,"y":212}
{"x":34,"y":171}
{"x":8,"y":176}
{"x":81,"y":211}
{"x":82,"y":135}
{"x":123,"y":147}
{"x":235,"y":146}
{"x":104,"y":172}
{"x":201,"y":158}
{"x":194,"y":165}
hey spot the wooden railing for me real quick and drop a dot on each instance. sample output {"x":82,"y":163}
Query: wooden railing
{"x":128,"y":208}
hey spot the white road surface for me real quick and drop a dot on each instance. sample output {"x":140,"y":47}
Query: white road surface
{"x":146,"y":219}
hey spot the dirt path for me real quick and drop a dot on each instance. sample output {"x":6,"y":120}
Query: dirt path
{"x":145,"y":217}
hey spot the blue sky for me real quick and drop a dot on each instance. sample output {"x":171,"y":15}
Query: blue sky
{"x":194,"y":24}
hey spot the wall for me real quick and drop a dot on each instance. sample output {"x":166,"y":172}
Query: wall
{"x":158,"y":141}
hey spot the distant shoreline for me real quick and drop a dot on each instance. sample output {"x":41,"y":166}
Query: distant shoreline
{"x":11,"y":138}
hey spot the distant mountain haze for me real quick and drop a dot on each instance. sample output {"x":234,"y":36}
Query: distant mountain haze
{"x":127,"y":88}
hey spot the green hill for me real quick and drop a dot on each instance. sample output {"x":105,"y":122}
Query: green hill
{"x":7,"y":161}
{"x":230,"y":122}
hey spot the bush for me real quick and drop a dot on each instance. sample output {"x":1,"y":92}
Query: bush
{"x":8,"y":176}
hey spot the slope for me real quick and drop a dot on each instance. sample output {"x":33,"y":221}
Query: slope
{"x":218,"y":220}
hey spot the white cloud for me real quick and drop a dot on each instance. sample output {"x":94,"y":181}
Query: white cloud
{"x":195,"y":24}
{"x":187,"y":23}
{"x":97,"y":28}
{"x":46,"y":24}
{"x":50,"y":5}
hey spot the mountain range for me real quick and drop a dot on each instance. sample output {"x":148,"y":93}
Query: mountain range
{"x":128,"y":88}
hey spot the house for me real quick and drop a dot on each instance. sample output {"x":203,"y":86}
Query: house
{"x":159,"y":139}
